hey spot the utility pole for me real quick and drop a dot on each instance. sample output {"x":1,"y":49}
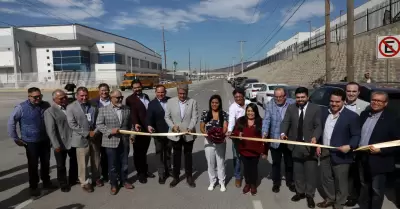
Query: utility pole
{"x":200,"y":70}
{"x":165,"y":52}
{"x":189,"y":64}
{"x":309,"y":43}
{"x":233,"y":67}
{"x":350,"y":41}
{"x":241,"y":53}
{"x":328,"y":41}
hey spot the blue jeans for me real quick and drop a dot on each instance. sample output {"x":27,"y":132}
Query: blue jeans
{"x":118,"y":163}
{"x":236,"y":161}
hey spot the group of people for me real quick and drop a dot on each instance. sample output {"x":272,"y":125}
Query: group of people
{"x":90,"y":130}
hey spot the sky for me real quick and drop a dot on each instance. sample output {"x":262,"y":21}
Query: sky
{"x":210,"y":29}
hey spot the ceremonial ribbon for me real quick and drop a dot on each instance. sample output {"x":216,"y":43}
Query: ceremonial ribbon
{"x":394,"y":143}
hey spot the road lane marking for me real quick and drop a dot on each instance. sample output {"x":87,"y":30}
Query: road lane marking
{"x":257,"y":204}
{"x":24,"y":204}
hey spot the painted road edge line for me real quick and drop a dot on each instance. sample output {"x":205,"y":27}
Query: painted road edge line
{"x":24,"y":204}
{"x":257,"y":204}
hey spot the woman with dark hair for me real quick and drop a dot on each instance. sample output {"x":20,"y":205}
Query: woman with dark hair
{"x":250,"y":125}
{"x":214,"y":123}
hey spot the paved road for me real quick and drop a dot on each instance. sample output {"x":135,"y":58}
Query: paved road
{"x":14,"y":178}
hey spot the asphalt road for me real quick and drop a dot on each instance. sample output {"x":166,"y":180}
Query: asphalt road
{"x":14,"y":177}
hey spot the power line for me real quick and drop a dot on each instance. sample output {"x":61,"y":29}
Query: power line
{"x":85,"y":10}
{"x":39,"y":10}
{"x":9,"y":24}
{"x":263,"y":46}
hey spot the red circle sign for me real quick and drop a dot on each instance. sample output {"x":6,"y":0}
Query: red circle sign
{"x":394,"y":52}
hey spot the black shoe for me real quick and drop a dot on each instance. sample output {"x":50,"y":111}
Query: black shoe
{"x":174,"y":182}
{"x":351,"y":203}
{"x":48,"y":185}
{"x":150,"y":175}
{"x":276,"y":188}
{"x":142,"y":179}
{"x":310,"y":202}
{"x":161,"y":180}
{"x":292,"y":187}
{"x":298,"y":197}
{"x":35,"y":192}
{"x":190,"y":182}
{"x":65,"y":189}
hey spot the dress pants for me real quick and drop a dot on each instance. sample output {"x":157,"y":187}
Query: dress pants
{"x":177,"y":157}
{"x":305,"y":168}
{"x":61,"y":158}
{"x":334,"y":180}
{"x":276,"y":155}
{"x":140,"y":148}
{"x":163,"y":155}
{"x":250,"y":165}
{"x":82,"y":155}
{"x":104,"y":164}
{"x":118,"y":162}
{"x":34,"y":152}
{"x":237,"y":164}
{"x":215,"y":155}
{"x":372,"y":185}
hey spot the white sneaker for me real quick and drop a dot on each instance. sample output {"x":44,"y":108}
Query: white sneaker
{"x":223,"y":188}
{"x":211,"y":187}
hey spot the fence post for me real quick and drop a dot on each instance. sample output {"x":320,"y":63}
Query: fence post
{"x":390,"y":9}
{"x":367,"y":19}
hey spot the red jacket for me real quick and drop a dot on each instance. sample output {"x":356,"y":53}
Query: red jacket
{"x":250,"y":148}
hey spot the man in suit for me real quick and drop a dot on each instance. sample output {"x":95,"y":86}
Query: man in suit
{"x":156,"y":123}
{"x":138,"y":103}
{"x":81,"y":116}
{"x":356,"y":105}
{"x":29,"y":115}
{"x":341,"y":128}
{"x":103,"y":100}
{"x":60,"y":134}
{"x":181,"y":115}
{"x":302,"y":122}
{"x":111,"y":119}
{"x":378,"y":125}
{"x":274,"y":112}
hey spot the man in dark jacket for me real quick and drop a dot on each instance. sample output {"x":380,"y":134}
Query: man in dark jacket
{"x":138,"y":103}
{"x":378,"y":125}
{"x":341,"y":128}
{"x":156,"y":123}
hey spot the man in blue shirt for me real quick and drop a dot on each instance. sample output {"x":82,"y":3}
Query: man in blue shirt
{"x":29,"y":115}
{"x":274,"y":114}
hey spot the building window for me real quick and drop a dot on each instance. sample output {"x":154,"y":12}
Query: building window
{"x":47,"y":50}
{"x":135,"y":62}
{"x":111,"y":59}
{"x":48,"y":57}
{"x":49,"y":71}
{"x":71,"y":60}
{"x":48,"y":64}
{"x":18,"y":46}
{"x":144,"y":64}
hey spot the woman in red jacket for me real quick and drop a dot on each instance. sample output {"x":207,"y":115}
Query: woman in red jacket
{"x":250,"y":125}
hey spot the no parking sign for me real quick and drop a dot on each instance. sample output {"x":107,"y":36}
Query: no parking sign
{"x":388,"y":47}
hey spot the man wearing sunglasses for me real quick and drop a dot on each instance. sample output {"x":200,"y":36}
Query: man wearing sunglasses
{"x":111,"y":119}
{"x":59,"y":133}
{"x":29,"y":115}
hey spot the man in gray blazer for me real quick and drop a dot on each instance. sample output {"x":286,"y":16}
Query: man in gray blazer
{"x":302,"y":122}
{"x":181,"y":115}
{"x":356,"y":105}
{"x":59,"y":133}
{"x":110,"y":120}
{"x":81,"y":116}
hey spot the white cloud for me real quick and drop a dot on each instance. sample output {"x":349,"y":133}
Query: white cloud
{"x":8,"y":1}
{"x":78,"y":10}
{"x":310,"y":9}
{"x":174,"y":19}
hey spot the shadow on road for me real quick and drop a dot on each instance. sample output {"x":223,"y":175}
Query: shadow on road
{"x":72,"y":206}
{"x":13,"y":170}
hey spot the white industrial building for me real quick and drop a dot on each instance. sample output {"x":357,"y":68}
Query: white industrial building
{"x":49,"y":54}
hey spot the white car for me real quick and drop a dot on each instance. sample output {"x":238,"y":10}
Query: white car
{"x":252,"y":89}
{"x":266,"y":93}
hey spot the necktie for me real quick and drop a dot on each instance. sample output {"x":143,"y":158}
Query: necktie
{"x":300,"y":126}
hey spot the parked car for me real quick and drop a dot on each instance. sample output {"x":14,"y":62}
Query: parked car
{"x":252,"y":89}
{"x":244,"y":83}
{"x":321,"y":95}
{"x":267,"y":93}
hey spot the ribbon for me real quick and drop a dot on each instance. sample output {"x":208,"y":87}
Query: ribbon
{"x":394,"y":143}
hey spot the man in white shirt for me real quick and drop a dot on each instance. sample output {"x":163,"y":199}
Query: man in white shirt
{"x":356,"y":105}
{"x":236,"y":110}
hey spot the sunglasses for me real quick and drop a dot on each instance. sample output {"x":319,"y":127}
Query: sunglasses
{"x":36,"y":97}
